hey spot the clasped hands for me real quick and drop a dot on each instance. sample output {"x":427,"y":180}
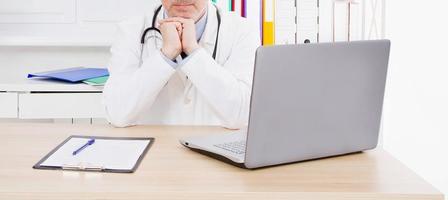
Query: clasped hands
{"x":179,"y":35}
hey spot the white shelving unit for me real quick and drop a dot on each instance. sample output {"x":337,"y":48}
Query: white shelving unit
{"x":21,"y":98}
{"x":34,"y":99}
{"x":52,"y":34}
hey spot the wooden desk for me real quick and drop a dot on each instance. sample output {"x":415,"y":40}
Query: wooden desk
{"x":170,"y":171}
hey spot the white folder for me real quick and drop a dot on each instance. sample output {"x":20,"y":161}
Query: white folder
{"x":341,"y":19}
{"x":325,"y":21}
{"x":307,"y":21}
{"x":285,"y":22}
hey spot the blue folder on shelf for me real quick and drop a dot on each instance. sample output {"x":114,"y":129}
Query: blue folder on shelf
{"x":73,"y":75}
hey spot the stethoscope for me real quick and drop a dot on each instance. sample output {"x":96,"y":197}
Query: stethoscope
{"x":153,"y":28}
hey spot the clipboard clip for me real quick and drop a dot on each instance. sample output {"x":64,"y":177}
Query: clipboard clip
{"x":83,"y":168}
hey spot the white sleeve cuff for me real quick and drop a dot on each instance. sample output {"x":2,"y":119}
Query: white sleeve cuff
{"x":169,"y":61}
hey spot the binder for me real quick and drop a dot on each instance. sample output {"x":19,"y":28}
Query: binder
{"x":237,"y":7}
{"x":244,"y":8}
{"x":254,"y":15}
{"x":285,"y":21}
{"x":72,"y":75}
{"x":314,"y":21}
{"x":355,"y":22}
{"x":307,"y":21}
{"x":223,"y":4}
{"x":111,"y":154}
{"x":325,"y":23}
{"x":268,"y":22}
{"x":341,"y":19}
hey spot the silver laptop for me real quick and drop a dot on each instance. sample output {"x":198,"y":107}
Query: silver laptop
{"x":308,"y":101}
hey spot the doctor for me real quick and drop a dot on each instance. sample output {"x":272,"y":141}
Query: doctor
{"x":185,"y":63}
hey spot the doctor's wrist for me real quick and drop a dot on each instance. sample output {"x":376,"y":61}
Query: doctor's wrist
{"x":192,"y":49}
{"x":171,"y":54}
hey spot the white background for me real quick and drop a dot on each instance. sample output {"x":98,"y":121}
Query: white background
{"x":415,"y":124}
{"x":65,"y":22}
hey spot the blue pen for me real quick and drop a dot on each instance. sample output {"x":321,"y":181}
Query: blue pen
{"x":90,"y":142}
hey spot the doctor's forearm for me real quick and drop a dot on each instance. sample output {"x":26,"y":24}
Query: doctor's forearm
{"x":128,"y":94}
{"x":227,"y":94}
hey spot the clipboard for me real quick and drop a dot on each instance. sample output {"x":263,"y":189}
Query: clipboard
{"x":92,"y":168}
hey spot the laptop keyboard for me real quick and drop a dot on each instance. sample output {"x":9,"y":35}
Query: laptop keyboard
{"x":237,"y":147}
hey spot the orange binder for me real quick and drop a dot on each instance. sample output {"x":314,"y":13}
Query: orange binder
{"x":268,"y":22}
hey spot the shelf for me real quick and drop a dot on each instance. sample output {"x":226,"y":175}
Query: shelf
{"x":16,"y":81}
{"x":55,"y":41}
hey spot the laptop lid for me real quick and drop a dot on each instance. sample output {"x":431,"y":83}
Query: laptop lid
{"x":315,"y":100}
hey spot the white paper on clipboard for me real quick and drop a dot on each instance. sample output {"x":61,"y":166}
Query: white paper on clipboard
{"x":113,"y":154}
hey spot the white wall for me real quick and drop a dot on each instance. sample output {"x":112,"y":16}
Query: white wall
{"x":65,"y":22}
{"x":416,"y":106}
{"x":21,"y":60}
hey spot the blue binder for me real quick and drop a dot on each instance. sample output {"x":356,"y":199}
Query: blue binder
{"x":72,"y":75}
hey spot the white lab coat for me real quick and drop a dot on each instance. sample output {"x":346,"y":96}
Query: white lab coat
{"x":201,"y":91}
